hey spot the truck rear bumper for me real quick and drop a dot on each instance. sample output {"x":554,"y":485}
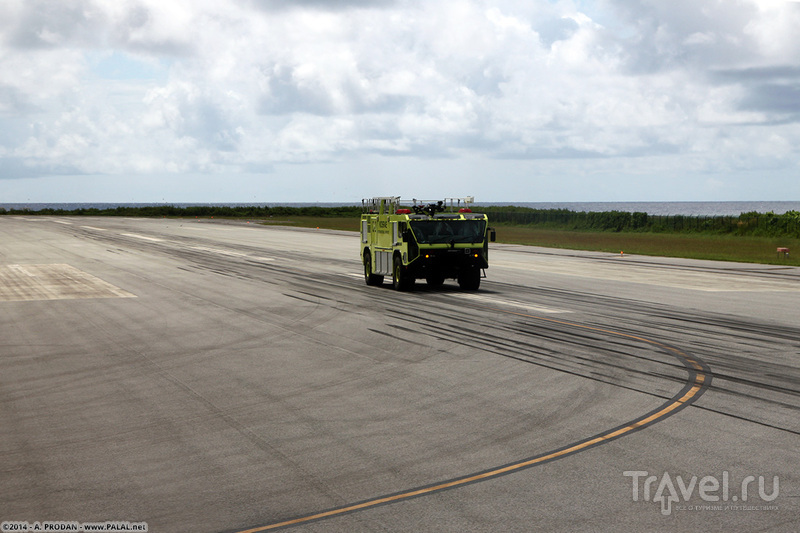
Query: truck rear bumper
{"x":447,"y":263}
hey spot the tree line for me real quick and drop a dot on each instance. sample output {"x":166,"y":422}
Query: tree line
{"x":751,"y":223}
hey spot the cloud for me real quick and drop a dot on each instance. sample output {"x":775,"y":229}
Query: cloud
{"x":17,"y":168}
{"x":773,"y":91}
{"x":683,"y":34}
{"x":280,"y":5}
{"x":143,"y":86}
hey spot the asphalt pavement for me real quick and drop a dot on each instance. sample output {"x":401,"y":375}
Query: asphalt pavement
{"x":225,"y":376}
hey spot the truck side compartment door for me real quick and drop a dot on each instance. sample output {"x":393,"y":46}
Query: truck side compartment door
{"x":383,"y":263}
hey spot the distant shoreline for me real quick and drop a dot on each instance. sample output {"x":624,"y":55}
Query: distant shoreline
{"x":651,"y":208}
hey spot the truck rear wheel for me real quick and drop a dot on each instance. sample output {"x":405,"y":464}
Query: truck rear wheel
{"x":400,"y":278}
{"x":369,"y":277}
{"x":470,"y":279}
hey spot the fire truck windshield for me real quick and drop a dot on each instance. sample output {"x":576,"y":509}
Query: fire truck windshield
{"x":448,"y":230}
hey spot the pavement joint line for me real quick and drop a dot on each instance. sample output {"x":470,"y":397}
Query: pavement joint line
{"x":698,"y":382}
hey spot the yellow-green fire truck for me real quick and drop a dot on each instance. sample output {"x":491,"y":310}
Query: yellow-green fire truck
{"x":431,"y":241}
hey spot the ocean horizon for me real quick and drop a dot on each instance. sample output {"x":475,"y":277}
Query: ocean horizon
{"x":651,"y":208}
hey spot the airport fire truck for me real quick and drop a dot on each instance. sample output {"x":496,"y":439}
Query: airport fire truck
{"x":431,"y":241}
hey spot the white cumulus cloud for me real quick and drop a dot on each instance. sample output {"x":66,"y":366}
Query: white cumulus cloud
{"x":138,"y":87}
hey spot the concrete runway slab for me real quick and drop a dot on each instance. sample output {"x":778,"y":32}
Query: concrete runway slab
{"x":52,"y":282}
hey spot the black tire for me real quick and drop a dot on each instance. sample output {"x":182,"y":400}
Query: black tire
{"x":369,"y":277}
{"x":400,"y":278}
{"x":470,"y":279}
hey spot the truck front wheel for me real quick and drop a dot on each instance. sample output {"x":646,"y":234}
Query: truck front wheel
{"x":400,"y":278}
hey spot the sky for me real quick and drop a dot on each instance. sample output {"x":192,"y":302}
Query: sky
{"x":334,"y":101}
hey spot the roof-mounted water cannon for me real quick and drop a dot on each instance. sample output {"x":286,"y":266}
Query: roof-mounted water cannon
{"x":430,"y":209}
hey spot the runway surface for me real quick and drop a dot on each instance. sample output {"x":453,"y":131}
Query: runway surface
{"x":223,"y":376}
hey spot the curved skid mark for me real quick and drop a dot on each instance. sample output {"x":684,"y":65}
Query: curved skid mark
{"x":698,"y":381}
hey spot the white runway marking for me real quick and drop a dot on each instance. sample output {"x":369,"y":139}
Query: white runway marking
{"x":143,"y":237}
{"x":491,"y":300}
{"x":646,"y":274}
{"x":219,"y":251}
{"x":231,"y":253}
{"x":207,"y":227}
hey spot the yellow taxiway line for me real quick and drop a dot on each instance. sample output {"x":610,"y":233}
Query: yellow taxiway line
{"x":699,"y":379}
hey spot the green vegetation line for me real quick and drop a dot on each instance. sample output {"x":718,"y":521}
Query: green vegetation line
{"x":750,"y":237}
